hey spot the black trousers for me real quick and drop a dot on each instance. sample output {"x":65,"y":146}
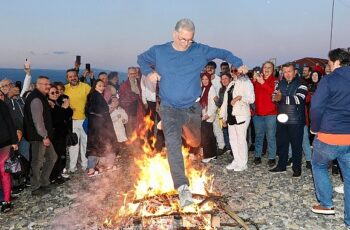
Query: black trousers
{"x":289,"y":134}
{"x":208,"y":140}
{"x":61,"y":151}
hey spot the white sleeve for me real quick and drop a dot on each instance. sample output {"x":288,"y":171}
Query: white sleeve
{"x":143,"y":89}
{"x":211,"y":103}
{"x":248,"y":95}
{"x":26,"y":84}
{"x":124,"y":115}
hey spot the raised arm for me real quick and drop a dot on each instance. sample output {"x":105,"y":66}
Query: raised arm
{"x":27,"y":81}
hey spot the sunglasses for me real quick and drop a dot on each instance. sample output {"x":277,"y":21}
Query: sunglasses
{"x":234,"y":71}
{"x":55,"y":92}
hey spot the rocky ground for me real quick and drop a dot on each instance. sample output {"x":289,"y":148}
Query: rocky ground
{"x":273,"y":201}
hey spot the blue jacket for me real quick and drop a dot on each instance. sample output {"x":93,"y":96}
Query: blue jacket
{"x":179,"y":86}
{"x":330,"y":105}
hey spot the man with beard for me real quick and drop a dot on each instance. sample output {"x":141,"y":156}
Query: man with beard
{"x":77,"y":93}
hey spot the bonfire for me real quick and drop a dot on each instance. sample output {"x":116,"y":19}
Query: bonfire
{"x":154,"y":203}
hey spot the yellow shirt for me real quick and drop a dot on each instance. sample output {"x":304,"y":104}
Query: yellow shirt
{"x":77,"y":96}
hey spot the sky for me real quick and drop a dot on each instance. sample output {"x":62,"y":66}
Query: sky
{"x":109,"y":34}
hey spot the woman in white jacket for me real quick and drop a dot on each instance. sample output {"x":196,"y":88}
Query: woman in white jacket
{"x":208,"y":116}
{"x":119,"y":119}
{"x":235,"y":111}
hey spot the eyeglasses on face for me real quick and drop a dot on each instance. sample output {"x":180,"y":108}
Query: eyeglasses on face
{"x":184,"y":40}
{"x":54,"y":92}
{"x":234,"y":71}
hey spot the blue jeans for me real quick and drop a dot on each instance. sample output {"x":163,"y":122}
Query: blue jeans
{"x":265,"y":125}
{"x":177,"y":123}
{"x":306,"y":145}
{"x":226,"y":138}
{"x":92,"y":161}
{"x":323,"y":153}
{"x":23,"y":149}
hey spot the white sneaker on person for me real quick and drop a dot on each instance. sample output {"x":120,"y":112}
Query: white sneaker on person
{"x":231,"y":166}
{"x":185,"y":195}
{"x":339,"y":189}
{"x":207,"y":160}
{"x":65,"y":175}
{"x":240,"y":169}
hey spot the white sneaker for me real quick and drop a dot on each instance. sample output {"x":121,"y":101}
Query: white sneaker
{"x":185,"y":195}
{"x":237,"y":169}
{"x":231,"y":166}
{"x":65,"y":175}
{"x":339,"y":189}
{"x":207,"y":160}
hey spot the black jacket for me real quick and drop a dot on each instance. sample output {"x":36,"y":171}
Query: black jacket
{"x":293,"y":100}
{"x":30,"y":132}
{"x":61,"y":122}
{"x":8,"y":134}
{"x":101,"y":135}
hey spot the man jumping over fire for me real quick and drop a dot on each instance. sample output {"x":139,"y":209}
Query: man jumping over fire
{"x":177,"y":66}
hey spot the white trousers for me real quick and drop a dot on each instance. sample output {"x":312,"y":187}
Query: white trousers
{"x":218,"y":133}
{"x":239,"y":146}
{"x":80,"y":147}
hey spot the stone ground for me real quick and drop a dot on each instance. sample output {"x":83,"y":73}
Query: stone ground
{"x":274,"y":201}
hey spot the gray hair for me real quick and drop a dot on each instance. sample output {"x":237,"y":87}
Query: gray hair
{"x":186,"y":24}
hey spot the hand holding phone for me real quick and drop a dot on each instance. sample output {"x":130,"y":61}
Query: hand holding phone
{"x":78,"y":60}
{"x":27,"y":66}
{"x":87,"y":67}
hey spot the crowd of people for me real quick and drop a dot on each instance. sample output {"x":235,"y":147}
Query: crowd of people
{"x":287,"y":111}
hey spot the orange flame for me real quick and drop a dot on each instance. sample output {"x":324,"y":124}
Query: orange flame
{"x":155,"y":179}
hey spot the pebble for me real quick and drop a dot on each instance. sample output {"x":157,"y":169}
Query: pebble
{"x":274,"y":201}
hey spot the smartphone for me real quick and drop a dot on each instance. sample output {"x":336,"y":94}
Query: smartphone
{"x":78,"y":59}
{"x":87,"y":66}
{"x":27,"y":64}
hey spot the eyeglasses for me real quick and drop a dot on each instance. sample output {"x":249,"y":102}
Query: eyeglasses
{"x":234,"y":71}
{"x":184,"y":40}
{"x":55,"y":92}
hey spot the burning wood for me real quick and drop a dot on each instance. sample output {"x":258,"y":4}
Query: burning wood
{"x":155,"y":204}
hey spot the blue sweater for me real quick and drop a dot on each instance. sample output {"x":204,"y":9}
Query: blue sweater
{"x":330,"y":105}
{"x":179,"y":86}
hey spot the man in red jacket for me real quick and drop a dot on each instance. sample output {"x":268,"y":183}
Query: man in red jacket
{"x":266,"y":111}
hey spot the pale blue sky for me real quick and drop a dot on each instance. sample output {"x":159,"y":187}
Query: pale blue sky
{"x":110,"y":34}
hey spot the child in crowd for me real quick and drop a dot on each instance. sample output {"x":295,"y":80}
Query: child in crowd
{"x":119,"y":119}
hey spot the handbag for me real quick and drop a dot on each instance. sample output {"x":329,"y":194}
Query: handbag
{"x":72,"y":139}
{"x":13,"y":163}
